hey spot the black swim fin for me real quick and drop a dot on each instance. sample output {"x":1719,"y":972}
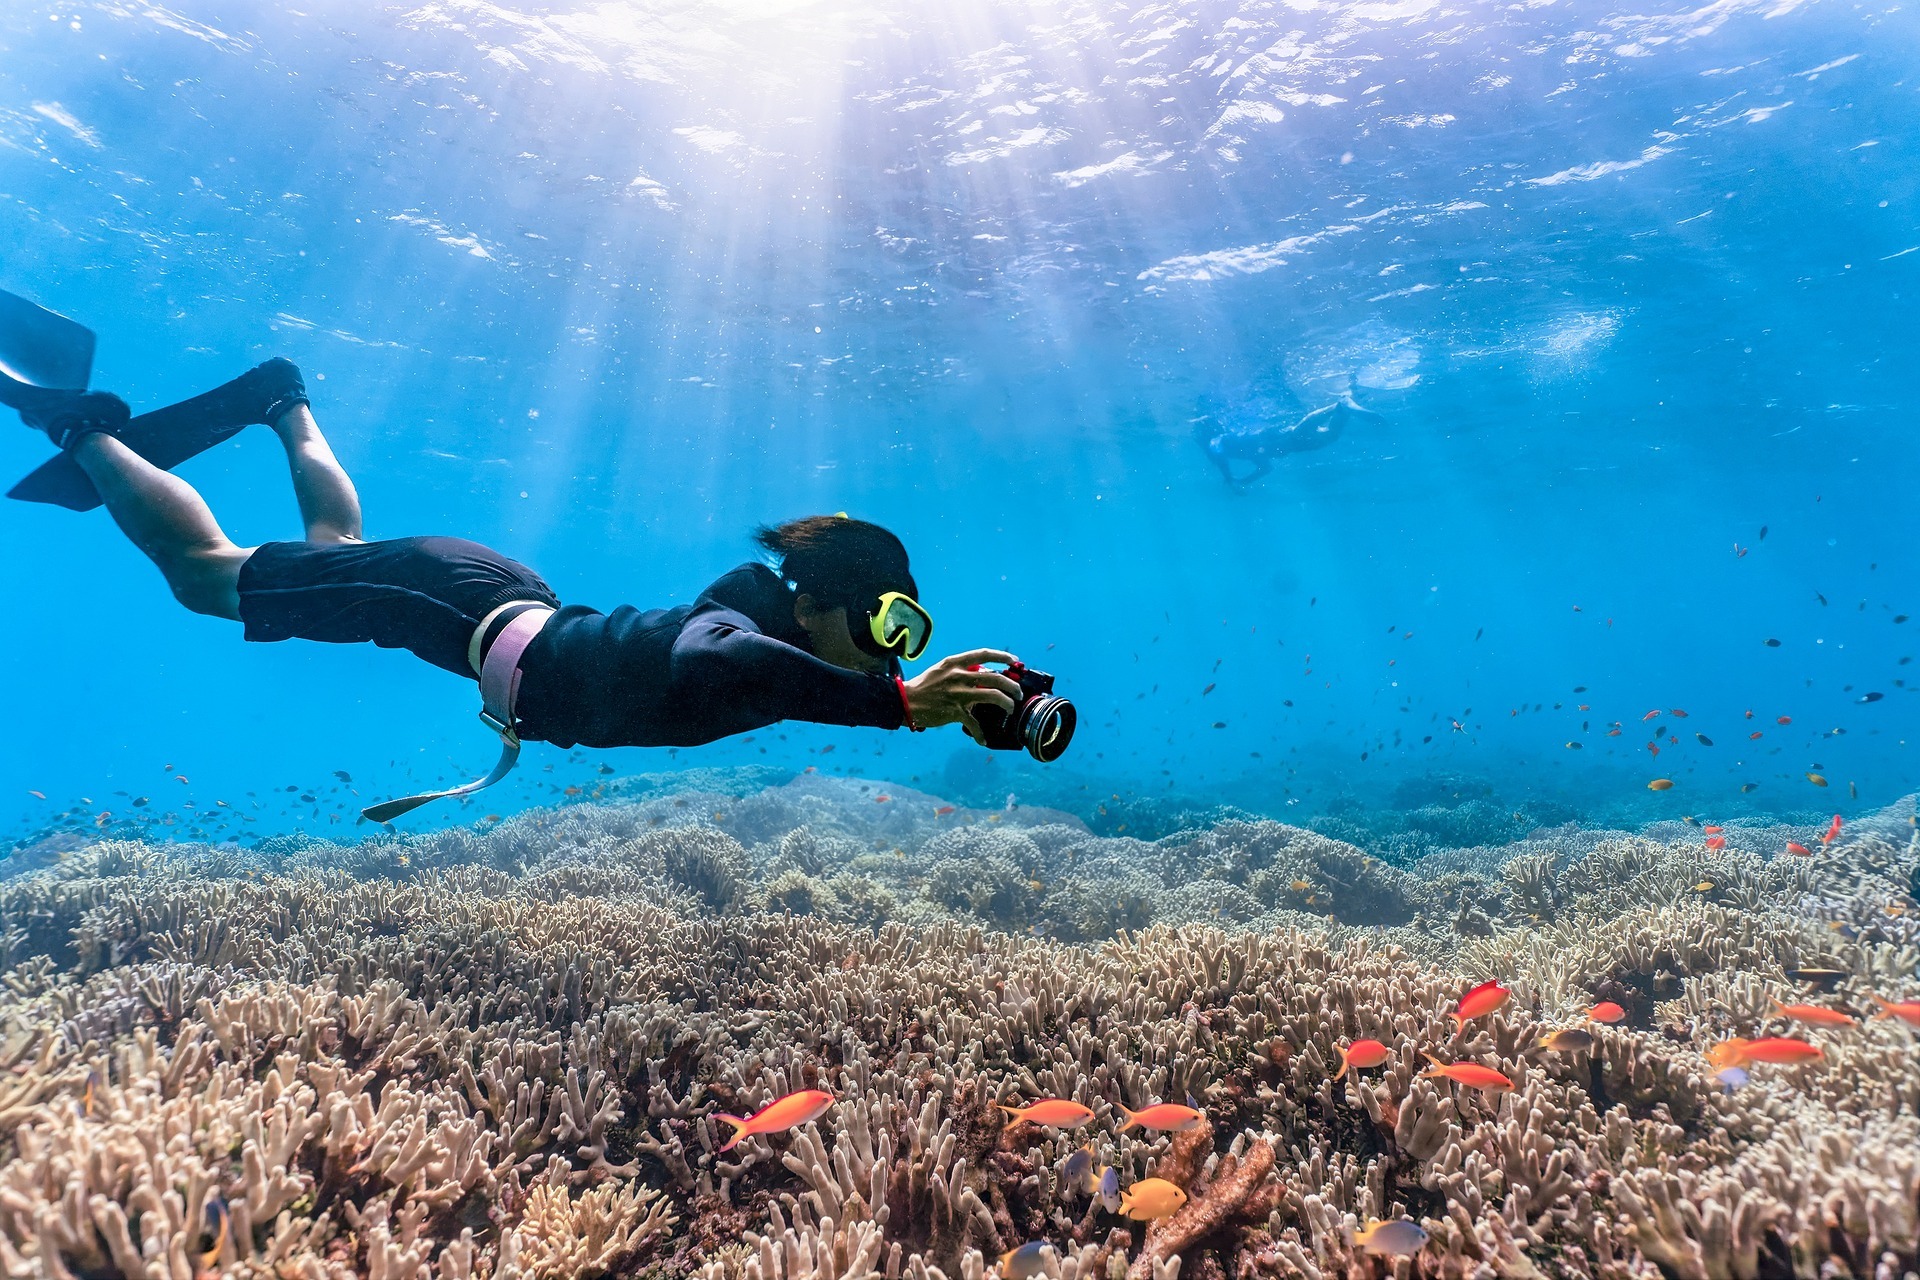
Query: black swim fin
{"x":168,"y":437}
{"x":41,"y":348}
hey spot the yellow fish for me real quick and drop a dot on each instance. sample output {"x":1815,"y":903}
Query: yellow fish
{"x":1151,"y":1199}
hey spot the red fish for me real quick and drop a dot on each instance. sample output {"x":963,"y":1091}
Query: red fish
{"x":1908,"y":1011}
{"x":1471,"y":1074}
{"x":1678,"y":714}
{"x":1360,"y":1055}
{"x":882,"y":798}
{"x":1779,"y":1050}
{"x":1782,"y":1049}
{"x":1716,"y":842}
{"x":1817,"y":1014}
{"x":1162,"y":1115}
{"x":779,"y":1115}
{"x":1784,"y":720}
{"x":1606,"y":1011}
{"x":1755,"y":734}
{"x":1650,"y":715}
{"x":1832,"y":831}
{"x":1798,"y":849}
{"x":1059,"y":1113}
{"x":1710,"y":829}
{"x":943,"y":811}
{"x":1482,"y":1000}
{"x":1655,"y":748}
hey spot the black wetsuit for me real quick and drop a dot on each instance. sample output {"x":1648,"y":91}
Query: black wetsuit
{"x":732,"y":661}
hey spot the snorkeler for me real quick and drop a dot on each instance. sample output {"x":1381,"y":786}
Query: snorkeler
{"x":820,"y":640}
{"x":1260,"y":445}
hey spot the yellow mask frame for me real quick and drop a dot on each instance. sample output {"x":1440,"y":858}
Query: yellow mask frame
{"x":901,"y":625}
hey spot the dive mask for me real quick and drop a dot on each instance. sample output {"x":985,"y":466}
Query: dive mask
{"x":901,"y":626}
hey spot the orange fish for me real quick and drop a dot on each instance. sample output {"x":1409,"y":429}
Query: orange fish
{"x":1483,"y":999}
{"x":1650,"y":715}
{"x":1908,"y":1011}
{"x":943,"y":811}
{"x":1660,"y":784}
{"x":1162,"y":1115}
{"x":1833,"y":829}
{"x":1606,"y":1011}
{"x":779,"y":1115}
{"x":1060,"y":1113}
{"x":1753,"y":735}
{"x":1716,"y":842}
{"x":1710,"y":829}
{"x":1471,"y":1074}
{"x":882,"y":798}
{"x":217,"y":1228}
{"x":1820,"y":1015}
{"x":1613,"y":733}
{"x":1784,"y":720}
{"x":1816,"y":780}
{"x":1774,"y":1049}
{"x":1362,"y":1054}
{"x":1799,"y":849}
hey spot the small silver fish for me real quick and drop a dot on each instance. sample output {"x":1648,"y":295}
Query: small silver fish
{"x":1079,"y":1172}
{"x":1110,"y":1189}
{"x":1567,"y":1040}
{"x":1400,"y":1239}
{"x":1025,"y":1262}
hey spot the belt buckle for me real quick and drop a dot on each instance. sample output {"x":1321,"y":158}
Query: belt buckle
{"x":506,"y":731}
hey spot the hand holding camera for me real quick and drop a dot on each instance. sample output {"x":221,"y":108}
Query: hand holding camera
{"x":1012,"y":710}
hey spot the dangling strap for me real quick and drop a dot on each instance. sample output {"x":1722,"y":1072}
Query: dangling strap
{"x":499,"y":690}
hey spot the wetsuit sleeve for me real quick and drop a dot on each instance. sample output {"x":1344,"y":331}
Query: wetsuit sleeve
{"x":720,"y":665}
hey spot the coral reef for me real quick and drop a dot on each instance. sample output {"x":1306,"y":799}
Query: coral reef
{"x":502,"y":1051}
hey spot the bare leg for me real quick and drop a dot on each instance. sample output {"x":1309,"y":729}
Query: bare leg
{"x":329,"y":507}
{"x":168,"y":520}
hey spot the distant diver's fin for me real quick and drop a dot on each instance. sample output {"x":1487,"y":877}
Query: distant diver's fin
{"x":168,"y":437}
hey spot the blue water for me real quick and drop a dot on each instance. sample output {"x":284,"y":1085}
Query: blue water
{"x":604,"y":286}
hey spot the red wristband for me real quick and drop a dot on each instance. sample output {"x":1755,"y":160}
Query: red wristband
{"x":906,"y":708}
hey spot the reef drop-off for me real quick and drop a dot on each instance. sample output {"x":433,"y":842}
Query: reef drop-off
{"x":502,"y":1051}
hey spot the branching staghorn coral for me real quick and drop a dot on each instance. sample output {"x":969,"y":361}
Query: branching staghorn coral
{"x":504,"y":1056}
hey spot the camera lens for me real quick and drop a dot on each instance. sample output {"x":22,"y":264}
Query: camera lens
{"x":1046,"y":727}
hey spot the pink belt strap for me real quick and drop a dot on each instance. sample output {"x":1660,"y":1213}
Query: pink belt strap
{"x":499,"y":690}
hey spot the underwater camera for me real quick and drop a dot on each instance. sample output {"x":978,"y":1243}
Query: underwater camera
{"x":1041,"y":723}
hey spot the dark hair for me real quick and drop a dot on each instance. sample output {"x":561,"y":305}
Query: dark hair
{"x":839,"y":561}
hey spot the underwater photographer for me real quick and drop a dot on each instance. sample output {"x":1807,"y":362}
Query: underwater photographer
{"x":820,"y":636}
